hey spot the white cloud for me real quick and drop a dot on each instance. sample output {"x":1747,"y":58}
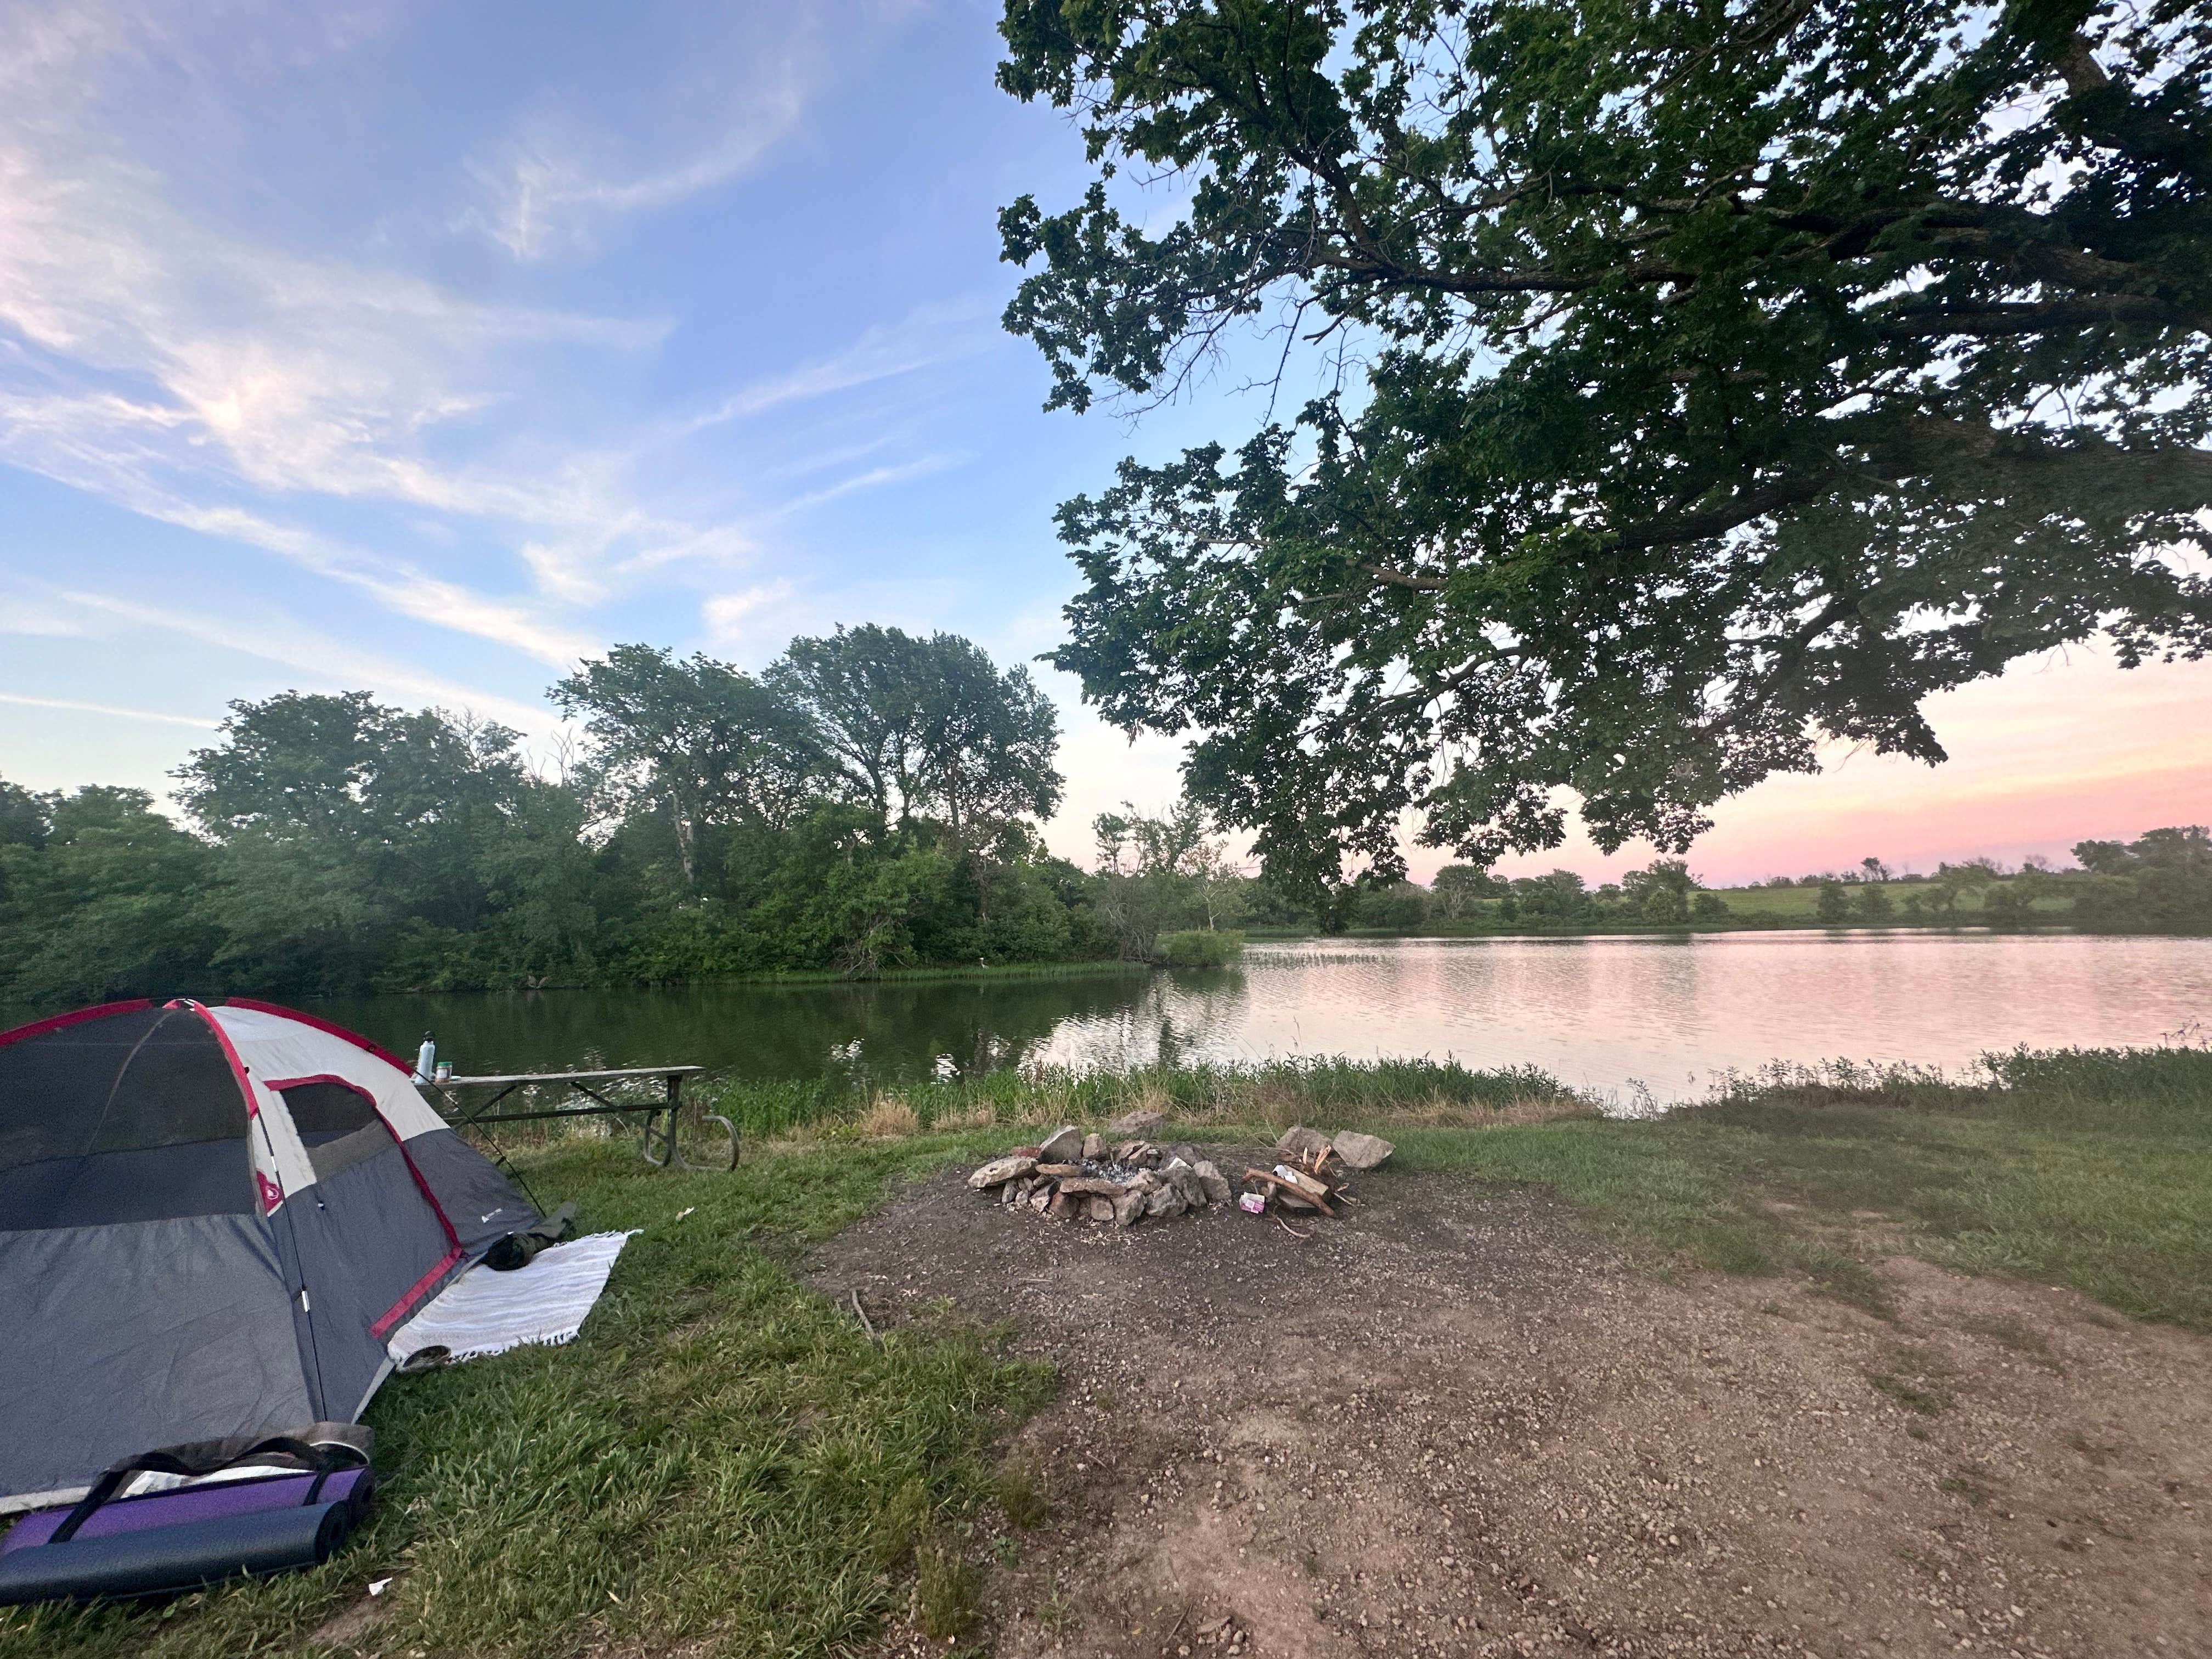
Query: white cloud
{"x":324,"y":660}
{"x":735,"y":618}
{"x":746,"y":79}
{"x":284,"y":372}
{"x":874,"y":478}
{"x":165,"y":350}
{"x":70,"y":705}
{"x":539,"y":200}
{"x":926,"y":337}
{"x":32,"y":620}
{"x":399,"y":586}
{"x":169,"y":370}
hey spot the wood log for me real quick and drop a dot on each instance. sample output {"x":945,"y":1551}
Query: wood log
{"x":1311,"y":1185}
{"x":1289,"y":1189}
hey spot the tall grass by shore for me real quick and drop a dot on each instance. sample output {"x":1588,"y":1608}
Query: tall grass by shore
{"x":1328,"y":1092}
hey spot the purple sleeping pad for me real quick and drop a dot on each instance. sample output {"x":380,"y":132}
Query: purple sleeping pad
{"x":185,"y":1506}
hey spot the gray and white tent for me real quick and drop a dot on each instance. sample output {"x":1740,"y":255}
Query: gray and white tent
{"x":212,"y":1220}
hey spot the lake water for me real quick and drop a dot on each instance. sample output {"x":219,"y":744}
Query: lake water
{"x":1612,"y":1015}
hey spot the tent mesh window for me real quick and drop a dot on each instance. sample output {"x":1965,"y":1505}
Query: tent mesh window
{"x":130,"y":1117}
{"x":338,"y":1122}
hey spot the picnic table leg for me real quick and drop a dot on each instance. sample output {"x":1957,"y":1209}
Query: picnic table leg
{"x":671,"y":1151}
{"x":669,"y":1158}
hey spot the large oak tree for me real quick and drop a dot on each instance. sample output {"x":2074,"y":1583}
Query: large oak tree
{"x":1715,"y":377}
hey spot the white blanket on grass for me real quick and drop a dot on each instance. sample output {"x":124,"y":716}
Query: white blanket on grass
{"x":483,"y":1312}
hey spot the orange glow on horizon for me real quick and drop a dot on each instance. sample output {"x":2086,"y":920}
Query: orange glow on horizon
{"x":2068,"y":749}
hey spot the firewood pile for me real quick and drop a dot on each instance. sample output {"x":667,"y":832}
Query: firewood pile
{"x":1122,"y":1177}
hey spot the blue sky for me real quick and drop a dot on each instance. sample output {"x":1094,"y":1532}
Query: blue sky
{"x":426,"y":349}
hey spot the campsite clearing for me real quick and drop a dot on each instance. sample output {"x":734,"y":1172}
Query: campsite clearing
{"x":1732,"y":1357}
{"x":1465,"y":1426}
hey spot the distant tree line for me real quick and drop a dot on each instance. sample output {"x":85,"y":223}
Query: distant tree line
{"x":2160,"y":881}
{"x":870,"y":801}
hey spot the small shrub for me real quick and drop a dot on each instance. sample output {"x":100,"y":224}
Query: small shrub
{"x":1835,"y":904}
{"x":1201,"y":948}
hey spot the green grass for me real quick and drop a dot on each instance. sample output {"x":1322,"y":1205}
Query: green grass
{"x":1327,"y":1092}
{"x":723,"y":1455}
{"x":724,"y":1460}
{"x":2092,"y":1170}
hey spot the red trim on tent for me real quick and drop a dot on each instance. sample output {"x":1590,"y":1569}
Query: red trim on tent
{"x":428,"y":1197}
{"x":329,"y":1077}
{"x":41,"y":1027}
{"x":400,"y":1309}
{"x":320,"y":1024}
{"x":238,"y":1071}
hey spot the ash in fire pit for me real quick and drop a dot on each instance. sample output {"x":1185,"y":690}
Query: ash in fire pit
{"x":1075,"y":1176}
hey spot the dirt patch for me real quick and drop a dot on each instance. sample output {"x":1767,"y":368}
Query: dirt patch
{"x":1455,"y":1425}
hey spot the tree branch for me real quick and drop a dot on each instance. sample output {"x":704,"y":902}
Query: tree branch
{"x":2108,"y":110}
{"x":2169,"y":478}
{"x":2002,"y":319}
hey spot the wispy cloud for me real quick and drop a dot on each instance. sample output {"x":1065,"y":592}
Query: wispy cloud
{"x":322,"y":660}
{"x":926,"y":337}
{"x":557,"y":184}
{"x":165,"y":368}
{"x":34,"y":620}
{"x":73,"y":707}
{"x":399,"y":586}
{"x":539,"y":200}
{"x":461,"y":454}
{"x":735,"y":618}
{"x":874,"y":478}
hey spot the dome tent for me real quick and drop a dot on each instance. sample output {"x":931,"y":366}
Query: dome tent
{"x":212,"y":1219}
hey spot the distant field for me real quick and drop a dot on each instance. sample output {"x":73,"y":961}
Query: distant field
{"x":1804,"y":901}
{"x":1765,"y":906}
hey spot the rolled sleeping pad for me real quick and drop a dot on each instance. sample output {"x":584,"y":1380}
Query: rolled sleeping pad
{"x":512,"y":1251}
{"x":518,"y":1249}
{"x":183,"y":1540}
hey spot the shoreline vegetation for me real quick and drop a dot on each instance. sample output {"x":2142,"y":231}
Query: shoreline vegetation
{"x":866,"y":809}
{"x":867,"y":806}
{"x":726,"y":1454}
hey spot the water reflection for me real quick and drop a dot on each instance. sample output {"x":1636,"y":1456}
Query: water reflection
{"x":890,"y":1031}
{"x":1602,"y":1013}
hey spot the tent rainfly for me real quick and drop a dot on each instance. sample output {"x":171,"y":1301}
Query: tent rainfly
{"x":212,"y":1220}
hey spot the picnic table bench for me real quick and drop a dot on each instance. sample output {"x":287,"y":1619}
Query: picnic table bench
{"x":583,"y":1098}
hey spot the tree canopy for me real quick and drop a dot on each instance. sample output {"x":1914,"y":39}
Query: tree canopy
{"x":708,"y":744}
{"x":710,"y":824}
{"x":926,"y":725}
{"x":1697,"y":382}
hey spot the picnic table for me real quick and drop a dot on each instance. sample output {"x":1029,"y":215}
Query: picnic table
{"x":582,"y":1097}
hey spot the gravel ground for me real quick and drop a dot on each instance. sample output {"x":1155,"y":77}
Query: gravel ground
{"x":1451,"y":1423}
